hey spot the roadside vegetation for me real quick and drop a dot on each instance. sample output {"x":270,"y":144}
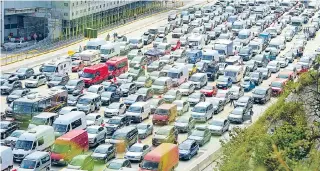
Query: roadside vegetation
{"x":286,"y":137}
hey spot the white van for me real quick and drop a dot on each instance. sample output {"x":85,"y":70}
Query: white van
{"x":44,"y":118}
{"x":197,"y":41}
{"x":277,"y":43}
{"x":88,"y":103}
{"x":109,"y":50}
{"x":39,"y":138}
{"x":6,"y":158}
{"x":139,"y":111}
{"x":95,"y":44}
{"x":234,"y":72}
{"x":65,"y":123}
{"x":56,"y":67}
{"x":136,"y":43}
{"x":199,"y":80}
{"x":179,"y":74}
{"x":36,"y":161}
{"x":256,"y":45}
{"x":90,"y":57}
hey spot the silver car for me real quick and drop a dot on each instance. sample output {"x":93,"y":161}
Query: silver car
{"x":236,"y":92}
{"x":219,"y":126}
{"x":274,"y":66}
{"x":96,"y":134}
{"x":137,"y":151}
{"x":35,"y":81}
{"x":187,"y":88}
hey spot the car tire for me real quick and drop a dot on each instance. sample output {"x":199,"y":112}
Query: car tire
{"x":189,"y":157}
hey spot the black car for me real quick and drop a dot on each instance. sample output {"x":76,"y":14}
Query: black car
{"x":57,"y":80}
{"x":10,"y":86}
{"x":5,"y":77}
{"x":115,"y":123}
{"x":16,"y":94}
{"x":108,"y":97}
{"x":128,"y":88}
{"x":244,"y":101}
{"x":7,"y":127}
{"x":256,"y":77}
{"x":132,"y":99}
{"x":24,"y":73}
{"x":261,"y":95}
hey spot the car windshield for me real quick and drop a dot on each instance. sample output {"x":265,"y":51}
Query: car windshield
{"x":72,"y":83}
{"x":185,"y":86}
{"x":115,"y":121}
{"x":134,"y":109}
{"x":197,"y":133}
{"x":244,"y":51}
{"x":163,"y":132}
{"x":92,"y":130}
{"x":23,"y":144}
{"x":134,"y":71}
{"x":159,"y":82}
{"x":184,"y":146}
{"x":57,"y":78}
{"x":171,"y":92}
{"x":243,"y":36}
{"x":16,"y":133}
{"x":87,"y":75}
{"x":84,"y":101}
{"x":60,"y":127}
{"x":22,"y":70}
{"x":195,"y":78}
{"x":114,"y":106}
{"x":183,"y":120}
{"x":4,"y":125}
{"x":158,"y":39}
{"x":8,"y":84}
{"x":259,"y":91}
{"x":216,"y":123}
{"x":236,"y":26}
{"x":75,"y":63}
{"x":149,"y":165}
{"x":77,"y":162}
{"x":6,"y":76}
{"x":285,"y":76}
{"x":49,"y":68}
{"x":134,"y":41}
{"x":135,"y":149}
{"x":38,"y":121}
{"x":28,"y":164}
{"x":17,"y":92}
{"x":101,"y":150}
{"x":162,"y":111}
{"x":199,"y":109}
{"x":276,"y":84}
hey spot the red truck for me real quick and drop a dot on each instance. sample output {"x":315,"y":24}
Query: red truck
{"x":165,"y":157}
{"x":69,"y":145}
{"x":94,"y":74}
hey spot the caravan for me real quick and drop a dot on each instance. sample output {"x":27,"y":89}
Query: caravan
{"x":234,"y":72}
{"x":72,"y":121}
{"x":39,"y":138}
{"x":179,"y":74}
{"x":196,"y":41}
{"x":90,"y":57}
{"x":56,"y":67}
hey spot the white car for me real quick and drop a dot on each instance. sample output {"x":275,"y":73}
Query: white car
{"x":94,"y":119}
{"x":67,"y":109}
{"x":35,"y":81}
{"x":96,"y":134}
{"x":114,"y":109}
{"x":182,"y":106}
{"x":187,"y":88}
{"x":137,"y":151}
{"x":97,"y":89}
{"x":219,"y":126}
{"x":274,"y":66}
{"x":284,"y":62}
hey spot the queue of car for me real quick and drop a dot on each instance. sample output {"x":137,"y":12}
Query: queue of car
{"x":237,"y":45}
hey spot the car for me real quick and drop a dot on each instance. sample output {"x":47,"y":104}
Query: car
{"x":236,"y":92}
{"x":186,"y":88}
{"x":8,"y":77}
{"x":81,"y":162}
{"x":261,"y":94}
{"x":175,"y":44}
{"x":137,"y":151}
{"x":244,"y":101}
{"x":160,"y":39}
{"x":209,"y":90}
{"x":7,"y":127}
{"x":266,"y":73}
{"x":284,"y":62}
{"x":201,"y":135}
{"x":77,"y":65}
{"x":261,"y":60}
{"x":16,"y":94}
{"x":67,"y":109}
{"x":252,"y":65}
{"x":147,"y":38}
{"x":219,"y":126}
{"x":182,"y":106}
{"x":288,"y":75}
{"x":128,"y":88}
{"x":196,"y":98}
{"x":97,"y":89}
{"x":155,"y":103}
{"x":277,"y":86}
{"x":24,"y":73}
{"x":109,"y":97}
{"x":132,"y":99}
{"x":274,"y":66}
{"x":224,"y":95}
{"x":188,"y":149}
{"x":156,"y":66}
{"x":167,"y":59}
{"x":13,"y":137}
{"x":256,"y":77}
{"x":97,"y":134}
{"x":202,"y":66}
{"x":172,"y":95}
{"x":246,"y":53}
{"x":114,"y":123}
{"x":237,"y":115}
{"x":144,"y":130}
{"x":222,"y":67}
{"x":58,"y":80}
{"x":178,"y":54}
{"x":117,"y":164}
{"x":224,"y":82}
{"x":104,"y":153}
{"x":125,"y":78}
{"x":306,"y":62}
{"x":115,"y":109}
{"x":248,"y":84}
{"x":94,"y":119}
{"x":218,"y":105}
{"x":147,"y":93}
{"x":143,"y":81}
{"x":35,"y":81}
{"x":289,"y":35}
{"x":184,"y":124}
{"x":9,"y":86}
{"x":74,"y":98}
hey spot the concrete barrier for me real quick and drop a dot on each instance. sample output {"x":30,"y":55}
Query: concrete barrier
{"x":206,"y":160}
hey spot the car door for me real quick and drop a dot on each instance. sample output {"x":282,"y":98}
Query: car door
{"x":145,"y":149}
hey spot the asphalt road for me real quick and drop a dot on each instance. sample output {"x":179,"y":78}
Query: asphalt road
{"x":214,"y":144}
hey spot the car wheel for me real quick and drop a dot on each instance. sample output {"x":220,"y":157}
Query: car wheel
{"x":140,"y":120}
{"x":189,"y":157}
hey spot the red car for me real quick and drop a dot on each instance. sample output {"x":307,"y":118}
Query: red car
{"x":77,"y":65}
{"x":175,"y":44}
{"x":301,"y":69}
{"x":209,"y":90}
{"x":277,"y":86}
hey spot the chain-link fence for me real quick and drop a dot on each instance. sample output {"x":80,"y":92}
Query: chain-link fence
{"x":47,"y":45}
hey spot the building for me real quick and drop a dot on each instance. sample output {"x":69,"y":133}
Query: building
{"x":65,"y":19}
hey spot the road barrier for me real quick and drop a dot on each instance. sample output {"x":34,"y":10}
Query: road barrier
{"x":206,"y":160}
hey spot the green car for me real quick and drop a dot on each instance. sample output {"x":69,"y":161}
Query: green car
{"x":201,"y":135}
{"x":81,"y":162}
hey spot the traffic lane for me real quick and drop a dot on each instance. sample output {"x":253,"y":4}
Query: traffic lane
{"x":125,"y":29}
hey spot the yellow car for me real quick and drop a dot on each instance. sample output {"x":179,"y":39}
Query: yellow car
{"x":192,"y":68}
{"x":144,"y":81}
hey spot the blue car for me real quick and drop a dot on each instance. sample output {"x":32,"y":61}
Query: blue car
{"x":224,"y":82}
{"x":248,"y":85}
{"x":132,"y":99}
{"x":188,"y":149}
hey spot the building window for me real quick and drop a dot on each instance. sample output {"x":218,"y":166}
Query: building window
{"x":73,"y":4}
{"x":100,"y":6}
{"x":88,"y":9}
{"x":65,"y":14}
{"x":104,"y":5}
{"x":66,"y":4}
{"x":77,"y":3}
{"x":72,"y":13}
{"x":76,"y":12}
{"x":81,"y":2}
